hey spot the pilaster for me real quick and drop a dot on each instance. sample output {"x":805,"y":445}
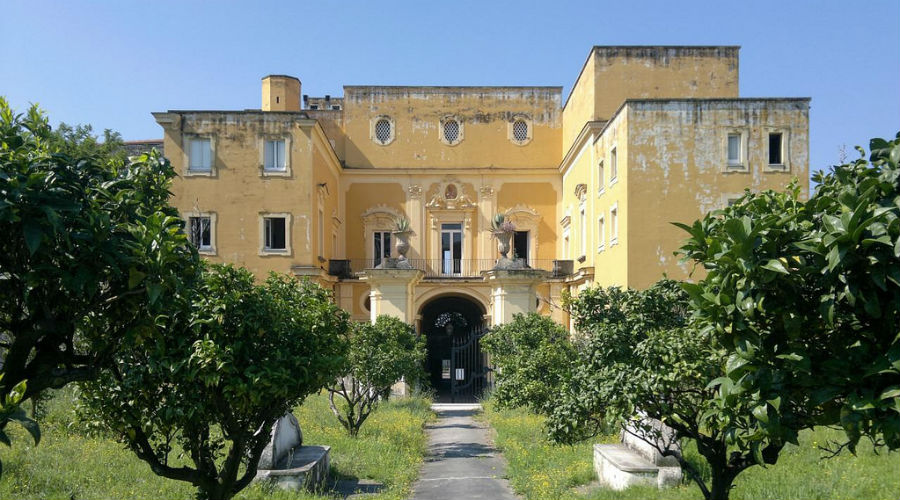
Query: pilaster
{"x":513,"y":292}
{"x":393,"y":292}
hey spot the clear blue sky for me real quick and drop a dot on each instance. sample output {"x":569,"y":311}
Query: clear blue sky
{"x":110,"y":63}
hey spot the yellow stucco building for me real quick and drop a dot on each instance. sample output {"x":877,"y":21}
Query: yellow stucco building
{"x":313,"y":185}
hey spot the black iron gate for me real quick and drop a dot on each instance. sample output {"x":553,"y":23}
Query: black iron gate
{"x":469,"y":370}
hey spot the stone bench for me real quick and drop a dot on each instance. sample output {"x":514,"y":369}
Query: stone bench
{"x":619,"y":467}
{"x":308,"y":469}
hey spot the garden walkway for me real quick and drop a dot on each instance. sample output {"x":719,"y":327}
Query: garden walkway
{"x":461,"y":462}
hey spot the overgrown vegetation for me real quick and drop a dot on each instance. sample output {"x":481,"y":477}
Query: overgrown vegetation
{"x":539,"y":469}
{"x":796,"y":325}
{"x":533,"y":355}
{"x":91,"y":254}
{"x":380,"y":355}
{"x":75,"y":462}
{"x":229,"y":360}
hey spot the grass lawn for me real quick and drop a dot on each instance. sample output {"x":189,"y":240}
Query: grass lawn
{"x":541,"y":470}
{"x":68,"y":464}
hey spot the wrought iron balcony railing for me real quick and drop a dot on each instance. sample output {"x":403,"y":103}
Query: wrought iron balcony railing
{"x":449,"y":268}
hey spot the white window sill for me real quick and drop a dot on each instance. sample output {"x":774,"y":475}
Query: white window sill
{"x":613,"y":181}
{"x":600,"y":192}
{"x":776,"y":167}
{"x":196,"y":172}
{"x":738,"y":168}
{"x":601,"y":248}
{"x":613,"y":242}
{"x":275,"y":251}
{"x":271,"y":172}
{"x":206,"y":251}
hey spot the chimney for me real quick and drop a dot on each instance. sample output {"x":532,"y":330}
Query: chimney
{"x":280,"y":93}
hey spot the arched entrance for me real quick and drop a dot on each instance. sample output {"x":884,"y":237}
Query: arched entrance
{"x":455,"y":365}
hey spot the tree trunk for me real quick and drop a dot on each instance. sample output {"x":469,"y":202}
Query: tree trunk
{"x":722,"y":481}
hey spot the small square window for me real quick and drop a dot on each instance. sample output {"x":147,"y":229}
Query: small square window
{"x":775,"y":148}
{"x":199,"y":155}
{"x":201,"y":232}
{"x":274,"y":160}
{"x":275,"y":233}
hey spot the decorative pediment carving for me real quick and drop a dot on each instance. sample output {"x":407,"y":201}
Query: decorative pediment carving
{"x":379,"y":217}
{"x":450,"y":194}
{"x":580,"y":191}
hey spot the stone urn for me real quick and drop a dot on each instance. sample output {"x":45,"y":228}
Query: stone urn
{"x":402,"y":246}
{"x":503,"y":239}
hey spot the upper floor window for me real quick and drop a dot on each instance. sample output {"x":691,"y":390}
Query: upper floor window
{"x":613,"y":166}
{"x":614,"y":224}
{"x":382,"y":130}
{"x":274,"y":160}
{"x":451,"y":131}
{"x":775,"y":148}
{"x":275,"y":233}
{"x":201,"y":231}
{"x":601,"y":181}
{"x":382,"y":247}
{"x":734,"y":149}
{"x":520,"y":130}
{"x":200,"y":154}
{"x":601,"y":233}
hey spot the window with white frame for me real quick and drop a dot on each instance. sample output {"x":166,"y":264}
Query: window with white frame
{"x":613,"y":166}
{"x":275,"y":234}
{"x":381,"y":130}
{"x":199,"y":154}
{"x":583,"y":222}
{"x":274,"y":156}
{"x":381,"y":241}
{"x":451,"y":131}
{"x":614,"y":225}
{"x":321,"y":233}
{"x":200,"y":232}
{"x":734,"y":150}
{"x":601,"y":233}
{"x":600,"y":179}
{"x":776,"y":148}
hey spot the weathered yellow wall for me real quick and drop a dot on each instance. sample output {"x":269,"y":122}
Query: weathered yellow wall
{"x":543,"y":197}
{"x":238,"y":192}
{"x":677,"y":160}
{"x":612,"y":263}
{"x":485,"y":113}
{"x":326,"y":171}
{"x":613,"y":74}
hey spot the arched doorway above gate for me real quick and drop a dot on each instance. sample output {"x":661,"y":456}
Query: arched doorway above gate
{"x":455,"y":365}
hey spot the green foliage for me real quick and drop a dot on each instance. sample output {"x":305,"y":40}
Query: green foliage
{"x":71,"y":464}
{"x":641,"y":364}
{"x":539,"y":469}
{"x":90,"y":257}
{"x":805,"y":298}
{"x":380,"y":355}
{"x":11,"y":411}
{"x":532,"y":355}
{"x":233,"y":357}
{"x":80,"y":142}
{"x":401,"y":225}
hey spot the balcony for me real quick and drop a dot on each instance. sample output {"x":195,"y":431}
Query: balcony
{"x":451,"y":268}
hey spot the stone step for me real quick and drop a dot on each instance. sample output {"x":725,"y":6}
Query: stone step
{"x":619,"y":467}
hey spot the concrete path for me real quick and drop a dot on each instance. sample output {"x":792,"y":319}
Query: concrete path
{"x":461,"y":463}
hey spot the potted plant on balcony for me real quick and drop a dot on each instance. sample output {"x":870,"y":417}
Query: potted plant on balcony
{"x":401,"y":232}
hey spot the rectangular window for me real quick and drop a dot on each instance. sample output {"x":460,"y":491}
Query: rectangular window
{"x":775,"y":149}
{"x":382,"y":249}
{"x":274,"y":156}
{"x":451,"y":249}
{"x":614,"y":225}
{"x":600,"y":179}
{"x":201,"y":232}
{"x":734,"y":149}
{"x":275,"y":233}
{"x":566,"y":246}
{"x":321,"y":233}
{"x":200,"y":155}
{"x":613,"y":166}
{"x":601,"y":233}
{"x":520,"y":245}
{"x":583,"y":222}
